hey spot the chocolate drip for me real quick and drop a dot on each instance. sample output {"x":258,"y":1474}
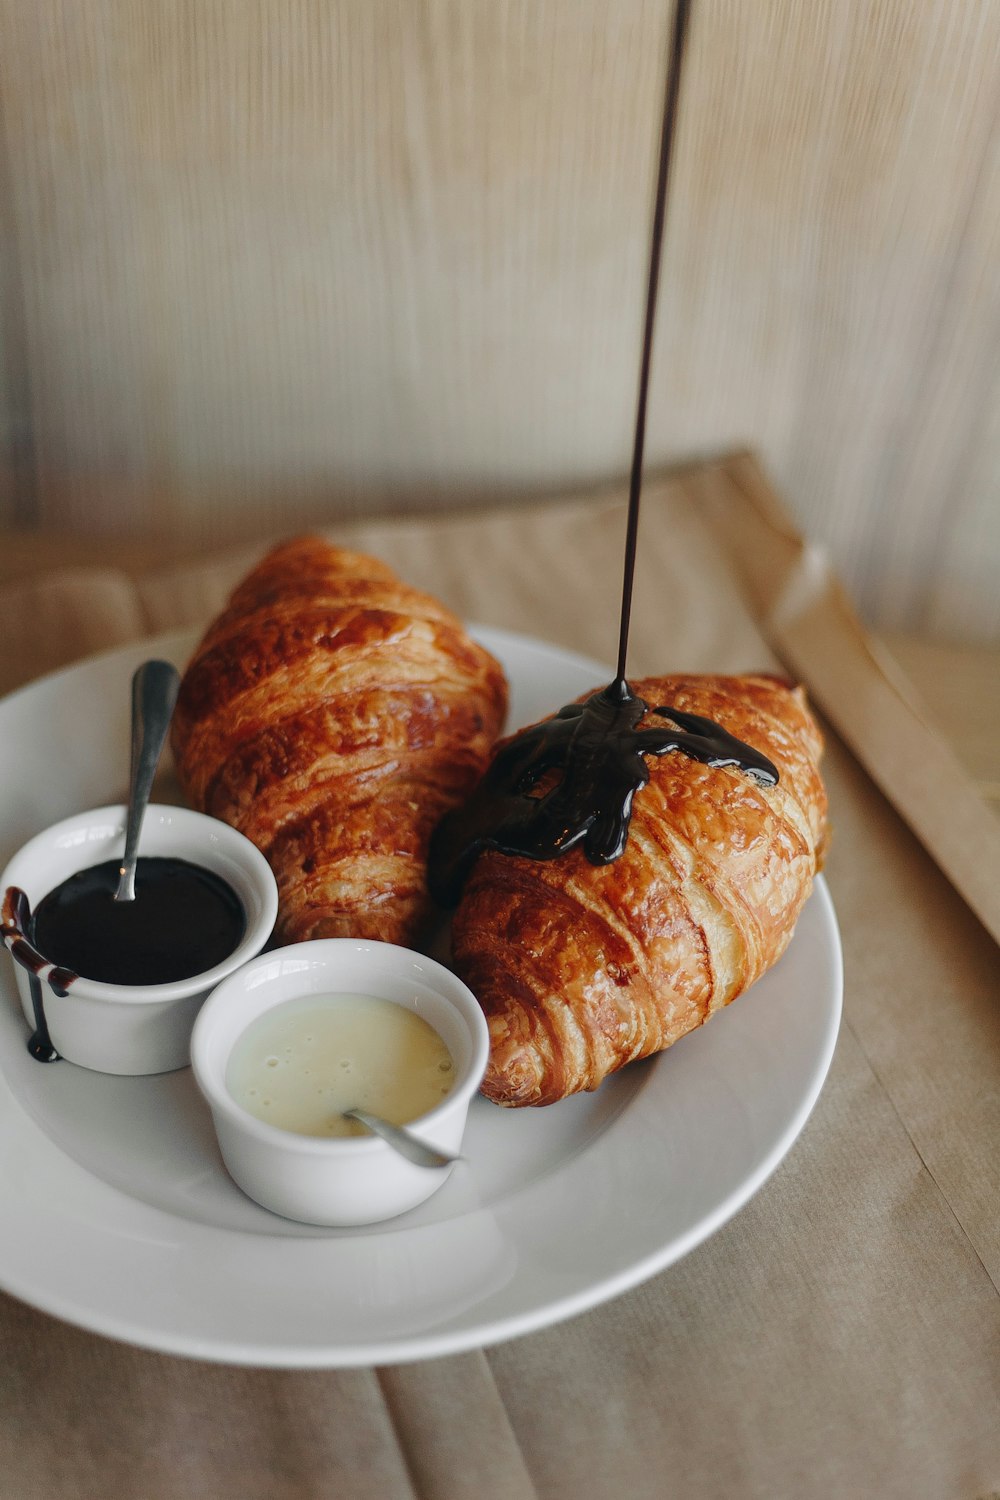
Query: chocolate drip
{"x":570,"y":780}
{"x":39,"y":1042}
{"x":16,"y":929}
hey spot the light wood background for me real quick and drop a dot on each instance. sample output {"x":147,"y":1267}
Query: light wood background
{"x":268,"y":261}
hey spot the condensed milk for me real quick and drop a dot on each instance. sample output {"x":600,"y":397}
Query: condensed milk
{"x":302,"y":1063}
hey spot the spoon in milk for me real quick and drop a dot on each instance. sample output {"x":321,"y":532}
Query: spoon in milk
{"x":402,"y":1141}
{"x":154,"y":693}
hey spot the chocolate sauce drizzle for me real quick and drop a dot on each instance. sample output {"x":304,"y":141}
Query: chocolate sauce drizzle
{"x":671,"y":95}
{"x":571,"y":779}
{"x":15,"y":926}
{"x":596,"y":753}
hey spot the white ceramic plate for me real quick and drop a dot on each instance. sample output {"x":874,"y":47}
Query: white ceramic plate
{"x":116,"y":1212}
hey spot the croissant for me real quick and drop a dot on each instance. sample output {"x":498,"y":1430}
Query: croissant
{"x":332,"y":714}
{"x":582,"y":968}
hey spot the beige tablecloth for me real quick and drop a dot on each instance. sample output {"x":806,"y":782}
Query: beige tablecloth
{"x":839,"y":1338}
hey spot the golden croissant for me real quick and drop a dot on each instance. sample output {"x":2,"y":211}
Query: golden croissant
{"x":582,"y":968}
{"x":332,"y":714}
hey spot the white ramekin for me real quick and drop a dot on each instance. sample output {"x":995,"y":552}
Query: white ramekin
{"x":116,"y":1028}
{"x":345,"y":1180}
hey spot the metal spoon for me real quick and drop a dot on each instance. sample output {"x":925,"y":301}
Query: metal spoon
{"x":402,"y":1141}
{"x":154,"y":693}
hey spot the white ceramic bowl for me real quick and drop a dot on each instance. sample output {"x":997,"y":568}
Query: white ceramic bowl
{"x":344,"y":1180}
{"x":115,"y":1028}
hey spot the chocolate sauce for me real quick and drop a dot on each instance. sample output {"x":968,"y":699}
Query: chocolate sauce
{"x":39,"y":1042}
{"x":184,"y":920}
{"x":671,"y":94}
{"x":15,"y":929}
{"x":597,"y":754}
{"x":571,"y":779}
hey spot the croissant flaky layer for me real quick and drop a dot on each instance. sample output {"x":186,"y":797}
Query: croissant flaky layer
{"x":333,"y":714}
{"x":583,"y":968}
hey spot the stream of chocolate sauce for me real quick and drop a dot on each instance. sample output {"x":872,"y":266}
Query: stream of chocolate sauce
{"x":571,"y":779}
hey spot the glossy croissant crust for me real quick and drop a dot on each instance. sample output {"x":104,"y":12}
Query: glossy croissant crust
{"x":583,"y":968}
{"x":333,"y":714}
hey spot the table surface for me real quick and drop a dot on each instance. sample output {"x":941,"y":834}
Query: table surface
{"x":840,"y":1336}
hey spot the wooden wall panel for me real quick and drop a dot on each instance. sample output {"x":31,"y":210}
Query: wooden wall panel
{"x":960,"y":554}
{"x":270,"y":259}
{"x":828,"y":291}
{"x":283,"y":249}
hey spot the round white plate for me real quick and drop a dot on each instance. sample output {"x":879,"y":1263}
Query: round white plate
{"x":116,"y":1212}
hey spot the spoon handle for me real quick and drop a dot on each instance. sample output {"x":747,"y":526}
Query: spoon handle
{"x":154,"y":693}
{"x":418,"y":1152}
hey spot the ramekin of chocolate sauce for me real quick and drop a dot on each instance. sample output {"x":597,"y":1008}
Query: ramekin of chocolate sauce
{"x":116,"y":986}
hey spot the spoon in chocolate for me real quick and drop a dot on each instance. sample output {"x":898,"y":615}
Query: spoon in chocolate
{"x":154,"y":693}
{"x":402,"y":1141}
